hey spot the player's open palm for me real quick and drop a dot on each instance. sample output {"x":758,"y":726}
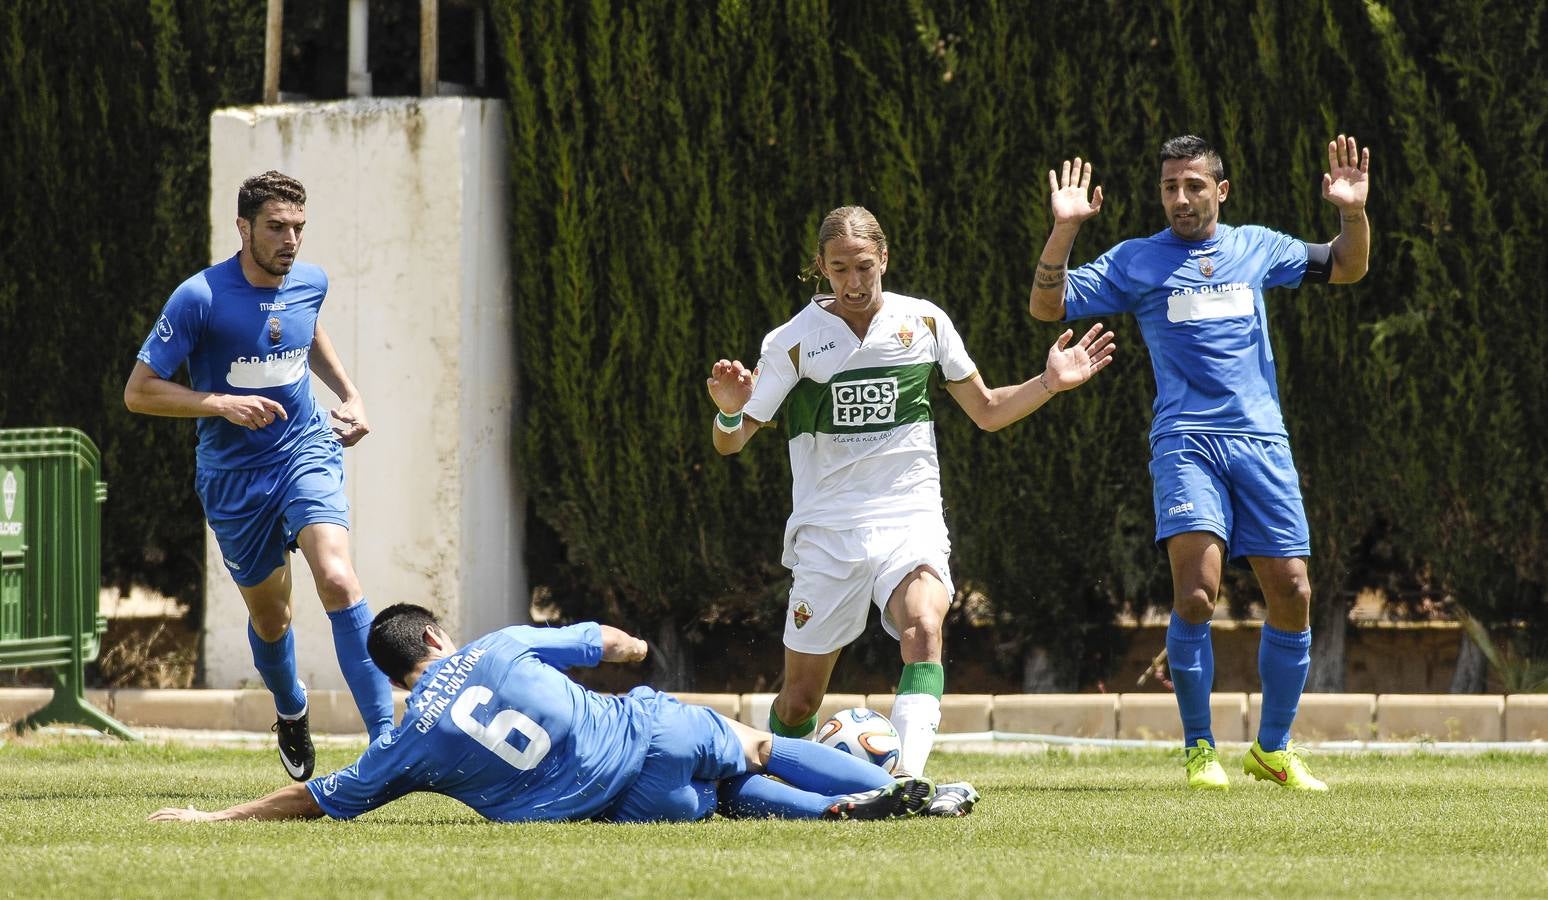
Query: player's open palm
{"x":1347,"y":181}
{"x":730,"y":385}
{"x":174,"y":814}
{"x":1071,"y":365}
{"x":1068,"y":193}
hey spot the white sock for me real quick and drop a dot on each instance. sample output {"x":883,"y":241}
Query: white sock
{"x":915,"y":716}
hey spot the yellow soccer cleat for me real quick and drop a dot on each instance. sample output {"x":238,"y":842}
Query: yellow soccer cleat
{"x":1286,"y":768}
{"x":1205,"y":773}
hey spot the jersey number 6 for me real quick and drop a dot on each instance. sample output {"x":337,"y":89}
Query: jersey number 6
{"x":493,"y":736}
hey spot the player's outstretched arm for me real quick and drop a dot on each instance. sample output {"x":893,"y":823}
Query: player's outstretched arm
{"x":730,"y":386}
{"x":1346,"y":185}
{"x":1069,"y":367}
{"x":150,"y":394}
{"x":1068,"y":200}
{"x":289,"y":802}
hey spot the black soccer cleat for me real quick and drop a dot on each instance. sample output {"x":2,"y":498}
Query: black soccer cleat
{"x":295,"y":746}
{"x":951,"y":800}
{"x":897,"y":800}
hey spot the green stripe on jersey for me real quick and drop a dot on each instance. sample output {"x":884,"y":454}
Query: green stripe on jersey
{"x":860,"y":401}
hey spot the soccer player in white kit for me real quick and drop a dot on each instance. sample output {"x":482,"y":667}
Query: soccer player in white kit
{"x":849,"y":376}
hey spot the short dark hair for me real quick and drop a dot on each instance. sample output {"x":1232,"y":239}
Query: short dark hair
{"x":260,"y":189}
{"x":396,"y":641}
{"x":1191,"y":146}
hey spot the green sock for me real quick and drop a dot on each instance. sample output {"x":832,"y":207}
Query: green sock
{"x":923,"y":678}
{"x":778,"y":726}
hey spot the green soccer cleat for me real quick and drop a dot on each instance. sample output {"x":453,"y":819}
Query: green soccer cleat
{"x":1286,"y":768}
{"x":1205,"y":773}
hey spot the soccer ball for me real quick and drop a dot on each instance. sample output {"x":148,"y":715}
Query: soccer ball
{"x":861,"y":732}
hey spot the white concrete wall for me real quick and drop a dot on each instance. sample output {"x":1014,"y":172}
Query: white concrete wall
{"x":406,"y":213}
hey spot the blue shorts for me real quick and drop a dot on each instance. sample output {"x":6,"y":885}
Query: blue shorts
{"x":1244,"y":490}
{"x":691,"y":749}
{"x":257,"y":513}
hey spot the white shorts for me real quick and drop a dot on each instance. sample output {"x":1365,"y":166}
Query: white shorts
{"x":839,"y":574}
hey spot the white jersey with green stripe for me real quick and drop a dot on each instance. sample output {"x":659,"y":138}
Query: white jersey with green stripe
{"x":857,"y":412}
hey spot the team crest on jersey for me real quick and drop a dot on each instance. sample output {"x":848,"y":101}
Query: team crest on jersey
{"x":801,"y":614}
{"x":905,"y":336}
{"x":1206,"y":266}
{"x":274,"y":329}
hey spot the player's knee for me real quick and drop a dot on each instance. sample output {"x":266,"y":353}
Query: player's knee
{"x":270,"y":626}
{"x":1195,"y":607}
{"x":922,"y":631}
{"x":337,"y":584}
{"x":795,"y":706}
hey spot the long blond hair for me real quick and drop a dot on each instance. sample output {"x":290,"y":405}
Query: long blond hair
{"x":846,"y":221}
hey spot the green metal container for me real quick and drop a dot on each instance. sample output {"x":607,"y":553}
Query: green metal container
{"x":51,"y":500}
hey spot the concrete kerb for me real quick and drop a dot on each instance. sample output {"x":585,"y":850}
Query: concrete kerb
{"x":1355,"y":721}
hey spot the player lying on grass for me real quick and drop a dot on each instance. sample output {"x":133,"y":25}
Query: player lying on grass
{"x":499,"y":726}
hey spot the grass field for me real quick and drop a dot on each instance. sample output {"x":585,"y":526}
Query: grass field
{"x":1115,"y":823}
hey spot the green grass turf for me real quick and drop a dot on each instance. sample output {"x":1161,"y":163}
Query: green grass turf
{"x":72,"y":825}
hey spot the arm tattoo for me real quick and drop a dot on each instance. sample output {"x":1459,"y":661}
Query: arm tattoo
{"x":1048,"y":276}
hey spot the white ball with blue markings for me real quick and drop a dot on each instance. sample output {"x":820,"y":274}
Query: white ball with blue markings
{"x":864,"y":733}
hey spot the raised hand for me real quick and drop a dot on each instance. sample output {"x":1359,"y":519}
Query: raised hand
{"x":1071,"y":366}
{"x":1347,"y":181}
{"x":730,"y":385}
{"x":1068,"y":193}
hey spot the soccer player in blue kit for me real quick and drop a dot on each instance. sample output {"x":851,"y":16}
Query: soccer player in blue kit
{"x":499,"y":726}
{"x":270,"y":470}
{"x":1225,"y":487}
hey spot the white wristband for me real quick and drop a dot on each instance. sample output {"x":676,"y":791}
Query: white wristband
{"x":729,"y":424}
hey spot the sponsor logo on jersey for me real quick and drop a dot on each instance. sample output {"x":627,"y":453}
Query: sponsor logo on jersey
{"x":269,"y":370}
{"x":1202,"y":251}
{"x":905,"y":336}
{"x":1210,"y":301}
{"x":231,"y":565}
{"x":873,"y":401}
{"x":801,"y":614}
{"x":823,"y":349}
{"x":443,"y":687}
{"x":164,"y":329}
{"x":1180,"y":508}
{"x":274,"y":329}
{"x":330,"y":784}
{"x":272,"y":307}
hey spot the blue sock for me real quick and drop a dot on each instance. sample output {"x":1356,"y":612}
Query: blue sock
{"x":276,"y":663}
{"x":810,"y":766}
{"x":1283,"y":658}
{"x":1191,"y":658}
{"x":758,"y":797}
{"x":373,"y":694}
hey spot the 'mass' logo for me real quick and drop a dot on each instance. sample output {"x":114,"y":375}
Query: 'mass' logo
{"x":870,"y":402}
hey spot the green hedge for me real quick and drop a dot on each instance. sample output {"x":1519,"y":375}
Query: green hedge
{"x":670,"y":162}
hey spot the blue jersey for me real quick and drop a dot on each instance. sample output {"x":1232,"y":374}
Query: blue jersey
{"x":241,"y":339}
{"x":1200,"y":309}
{"x":500,"y":728}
